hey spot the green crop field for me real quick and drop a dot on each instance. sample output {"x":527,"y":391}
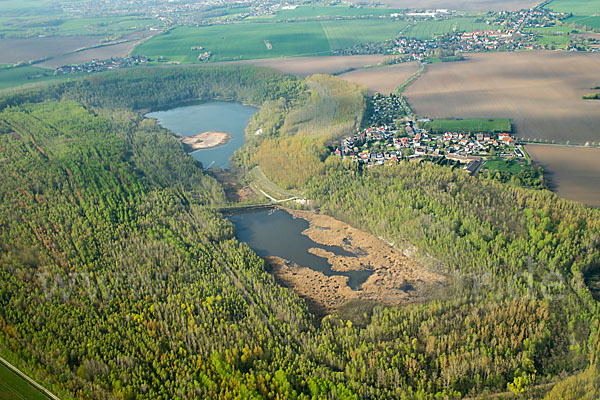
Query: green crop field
{"x":252,"y":40}
{"x":27,"y":74}
{"x":470,"y":125}
{"x":592,"y":22}
{"x":87,"y":26}
{"x":76,"y":26}
{"x":13,"y":387}
{"x":577,"y":7}
{"x":431,"y":29}
{"x":342,"y":34}
{"x":11,"y":77}
{"x":336,"y":11}
{"x":550,"y":30}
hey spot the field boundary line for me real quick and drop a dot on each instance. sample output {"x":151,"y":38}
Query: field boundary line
{"x":21,"y":374}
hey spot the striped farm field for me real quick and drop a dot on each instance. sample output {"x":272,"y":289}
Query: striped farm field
{"x":266,"y":40}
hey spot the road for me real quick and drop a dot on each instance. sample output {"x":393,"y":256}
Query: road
{"x":33,"y":383}
{"x":270,"y":186}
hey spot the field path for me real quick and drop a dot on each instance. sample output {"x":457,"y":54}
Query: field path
{"x":33,"y":383}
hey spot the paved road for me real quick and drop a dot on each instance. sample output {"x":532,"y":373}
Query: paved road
{"x":33,"y":383}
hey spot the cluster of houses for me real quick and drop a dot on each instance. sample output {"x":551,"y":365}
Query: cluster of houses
{"x":385,"y":109}
{"x":102,"y":65}
{"x":537,"y":17}
{"x":403,"y":139}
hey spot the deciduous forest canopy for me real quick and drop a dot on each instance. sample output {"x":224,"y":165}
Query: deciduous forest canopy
{"x":120,"y":279}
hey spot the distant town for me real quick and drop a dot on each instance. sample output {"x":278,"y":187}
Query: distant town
{"x":102,"y":65}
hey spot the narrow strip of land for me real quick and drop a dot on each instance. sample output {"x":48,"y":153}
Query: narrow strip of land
{"x":33,"y":383}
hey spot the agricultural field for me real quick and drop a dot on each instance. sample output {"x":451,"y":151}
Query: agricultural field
{"x":14,"y":50}
{"x":382,"y":79}
{"x":541,"y":92}
{"x":266,"y":40}
{"x":470,"y":125}
{"x":305,"y":12}
{"x":572,"y":172}
{"x":558,"y":41}
{"x":304,"y":66}
{"x":119,"y":49}
{"x":430,"y":29}
{"x":463,"y":5}
{"x":577,"y":7}
{"x":591,"y":22}
{"x":68,"y":26}
{"x":12,"y":77}
{"x":13,"y":387}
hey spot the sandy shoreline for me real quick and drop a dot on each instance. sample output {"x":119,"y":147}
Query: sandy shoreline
{"x":396,"y":279}
{"x":205,"y":140}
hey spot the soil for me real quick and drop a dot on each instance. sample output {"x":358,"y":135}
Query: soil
{"x":305,"y":66}
{"x":572,"y":172}
{"x":382,"y":79}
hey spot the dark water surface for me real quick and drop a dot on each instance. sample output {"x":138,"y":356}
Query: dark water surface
{"x":273,"y":232}
{"x":191,"y":118}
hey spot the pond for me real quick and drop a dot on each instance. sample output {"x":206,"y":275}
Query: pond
{"x":191,"y":118}
{"x":274,"y":232}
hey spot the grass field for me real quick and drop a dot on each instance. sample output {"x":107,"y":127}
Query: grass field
{"x":577,"y":7}
{"x":431,"y":29}
{"x":513,"y":167}
{"x":558,"y":41}
{"x":13,"y":387}
{"x":11,"y":77}
{"x":252,"y":40}
{"x":470,"y":125}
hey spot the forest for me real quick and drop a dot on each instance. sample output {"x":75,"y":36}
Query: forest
{"x":120,"y":279}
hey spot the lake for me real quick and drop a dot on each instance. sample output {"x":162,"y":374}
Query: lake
{"x":191,"y":118}
{"x":274,"y":232}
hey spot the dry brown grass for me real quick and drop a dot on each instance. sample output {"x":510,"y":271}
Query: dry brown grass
{"x":465,"y":5}
{"x":304,"y":66}
{"x":573,"y":172}
{"x":396,"y":278}
{"x":382,"y":79}
{"x":540,"y":91}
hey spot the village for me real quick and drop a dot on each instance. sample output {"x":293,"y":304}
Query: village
{"x":102,"y":65}
{"x":393,"y":135}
